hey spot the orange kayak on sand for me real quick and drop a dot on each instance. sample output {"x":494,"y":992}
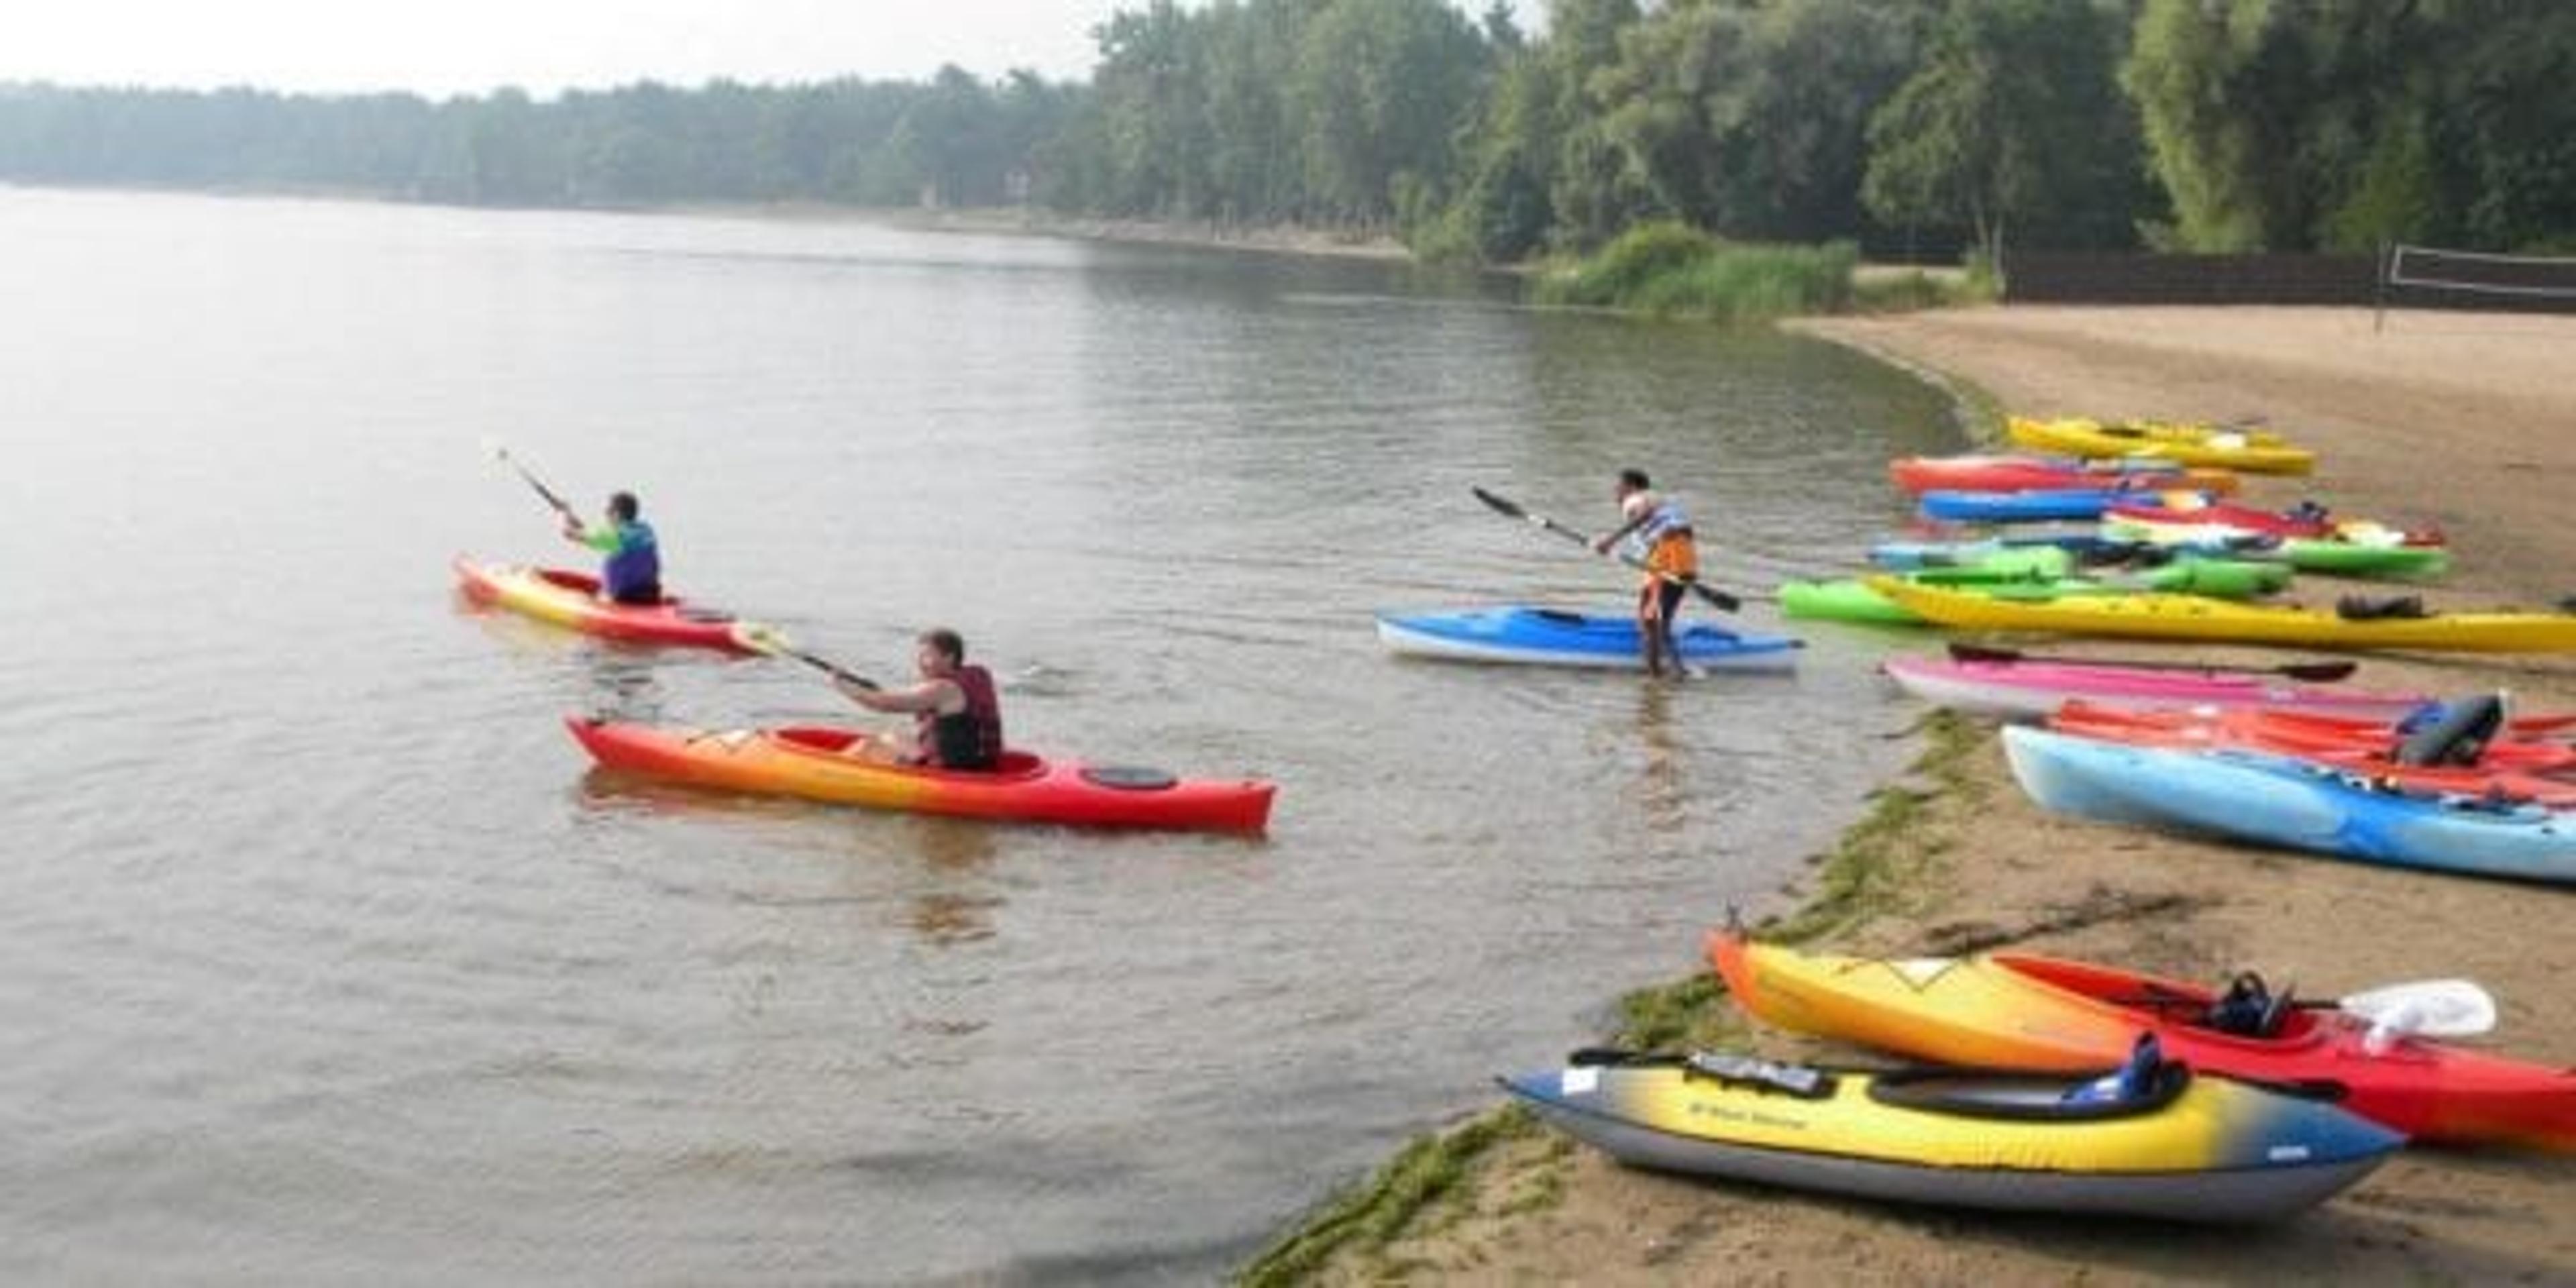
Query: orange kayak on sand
{"x":809,"y":763}
{"x":2020,"y":1011}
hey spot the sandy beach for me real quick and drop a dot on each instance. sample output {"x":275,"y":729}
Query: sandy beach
{"x":2466,"y":420}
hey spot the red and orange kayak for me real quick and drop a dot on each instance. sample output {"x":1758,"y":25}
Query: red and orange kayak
{"x":2516,"y":765}
{"x":2018,"y":1011}
{"x":2013,"y":473}
{"x":571,"y":600}
{"x":810,"y":763}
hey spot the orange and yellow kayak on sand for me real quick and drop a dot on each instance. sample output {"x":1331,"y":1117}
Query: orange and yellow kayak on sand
{"x":2021,"y":1011}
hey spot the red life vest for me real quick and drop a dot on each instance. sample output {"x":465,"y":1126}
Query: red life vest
{"x":970,"y":739}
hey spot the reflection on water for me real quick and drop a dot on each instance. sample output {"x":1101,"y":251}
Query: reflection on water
{"x":1662,"y":787}
{"x":955,"y":854}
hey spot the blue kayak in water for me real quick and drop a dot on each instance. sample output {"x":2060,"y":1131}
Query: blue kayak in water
{"x":1554,"y":637}
{"x":2292,"y":803}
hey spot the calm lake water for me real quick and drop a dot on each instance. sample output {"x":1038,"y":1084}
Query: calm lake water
{"x":326,"y":958}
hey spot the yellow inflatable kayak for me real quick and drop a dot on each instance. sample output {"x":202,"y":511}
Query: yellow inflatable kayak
{"x":2158,"y":1142}
{"x":2194,"y":617}
{"x":2254,"y":451}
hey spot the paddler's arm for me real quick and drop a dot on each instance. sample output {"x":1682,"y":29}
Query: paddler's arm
{"x":929,"y":695}
{"x":603,"y":540}
{"x":1601,"y":544}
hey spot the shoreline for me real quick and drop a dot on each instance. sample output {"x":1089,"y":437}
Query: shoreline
{"x":1033,"y":221}
{"x":1977,"y":866}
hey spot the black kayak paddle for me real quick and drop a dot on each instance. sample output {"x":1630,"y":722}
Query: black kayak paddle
{"x":764,"y":639}
{"x":1505,"y":506}
{"x":2314,"y":672}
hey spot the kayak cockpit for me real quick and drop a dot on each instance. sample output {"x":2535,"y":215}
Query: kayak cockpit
{"x":1015,"y":766}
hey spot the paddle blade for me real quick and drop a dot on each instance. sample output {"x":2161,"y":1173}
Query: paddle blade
{"x":1499,"y":505}
{"x":2434,"y":1008}
{"x":1717,"y":598}
{"x":753,"y":637}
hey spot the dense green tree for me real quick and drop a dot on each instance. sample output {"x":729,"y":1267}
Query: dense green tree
{"x":1749,"y":117}
{"x":1381,"y":87}
{"x":2294,"y":125}
{"x":1969,"y":139}
{"x":1592,"y":189}
{"x":2212,"y":82}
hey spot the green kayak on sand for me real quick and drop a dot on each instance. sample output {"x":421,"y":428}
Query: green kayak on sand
{"x":1849,"y":600}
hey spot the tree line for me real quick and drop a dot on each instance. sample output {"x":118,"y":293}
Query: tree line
{"x":2196,"y":125}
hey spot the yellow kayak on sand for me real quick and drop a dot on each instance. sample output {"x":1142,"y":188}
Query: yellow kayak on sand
{"x":2167,"y":1144}
{"x":2254,"y":451}
{"x":2194,"y":617}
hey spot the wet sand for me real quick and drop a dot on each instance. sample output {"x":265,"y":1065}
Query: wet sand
{"x":2468,"y":420}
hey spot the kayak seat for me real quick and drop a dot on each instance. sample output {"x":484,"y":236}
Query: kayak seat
{"x":2276,"y":1015}
{"x":2239,"y":1010}
{"x":2367,"y":608}
{"x":2458,"y":736}
{"x":2134,"y":1080}
{"x":2133,"y":1090}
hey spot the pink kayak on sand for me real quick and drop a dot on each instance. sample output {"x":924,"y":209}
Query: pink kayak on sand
{"x":2030,"y":688}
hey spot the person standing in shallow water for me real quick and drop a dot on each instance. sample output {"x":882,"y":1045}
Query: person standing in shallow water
{"x":957,"y":714}
{"x":1658,"y":533}
{"x":632,"y":571}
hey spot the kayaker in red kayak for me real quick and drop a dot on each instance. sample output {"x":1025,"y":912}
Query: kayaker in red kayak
{"x":1661,"y":532}
{"x":632,"y":572}
{"x":957,"y":714}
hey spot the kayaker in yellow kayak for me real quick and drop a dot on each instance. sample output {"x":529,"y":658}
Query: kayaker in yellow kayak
{"x":957,"y":714}
{"x":632,"y":571}
{"x":1659,"y":533}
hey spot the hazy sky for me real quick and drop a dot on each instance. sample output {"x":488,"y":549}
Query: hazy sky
{"x":439,"y":47}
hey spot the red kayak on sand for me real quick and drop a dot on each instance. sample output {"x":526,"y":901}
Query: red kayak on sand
{"x":2020,"y":1011}
{"x":571,"y":600}
{"x":2307,"y":524}
{"x":2509,"y":744}
{"x":810,"y":763}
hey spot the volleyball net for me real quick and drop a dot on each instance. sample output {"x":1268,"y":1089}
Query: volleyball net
{"x":2429,"y":276}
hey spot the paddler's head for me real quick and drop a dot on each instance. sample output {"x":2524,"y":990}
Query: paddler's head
{"x":939,"y":653}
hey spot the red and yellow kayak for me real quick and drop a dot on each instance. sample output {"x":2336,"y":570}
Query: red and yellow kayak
{"x":809,"y":763}
{"x":1984,"y":472}
{"x":2018,"y":1011}
{"x":571,"y":600}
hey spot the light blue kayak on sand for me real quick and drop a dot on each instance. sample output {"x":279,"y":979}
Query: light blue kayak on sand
{"x":1555,"y":637}
{"x":2291,"y":803}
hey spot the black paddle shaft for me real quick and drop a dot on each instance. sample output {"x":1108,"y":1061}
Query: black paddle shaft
{"x":2314,"y":672}
{"x":1506,"y":506}
{"x":561,"y":506}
